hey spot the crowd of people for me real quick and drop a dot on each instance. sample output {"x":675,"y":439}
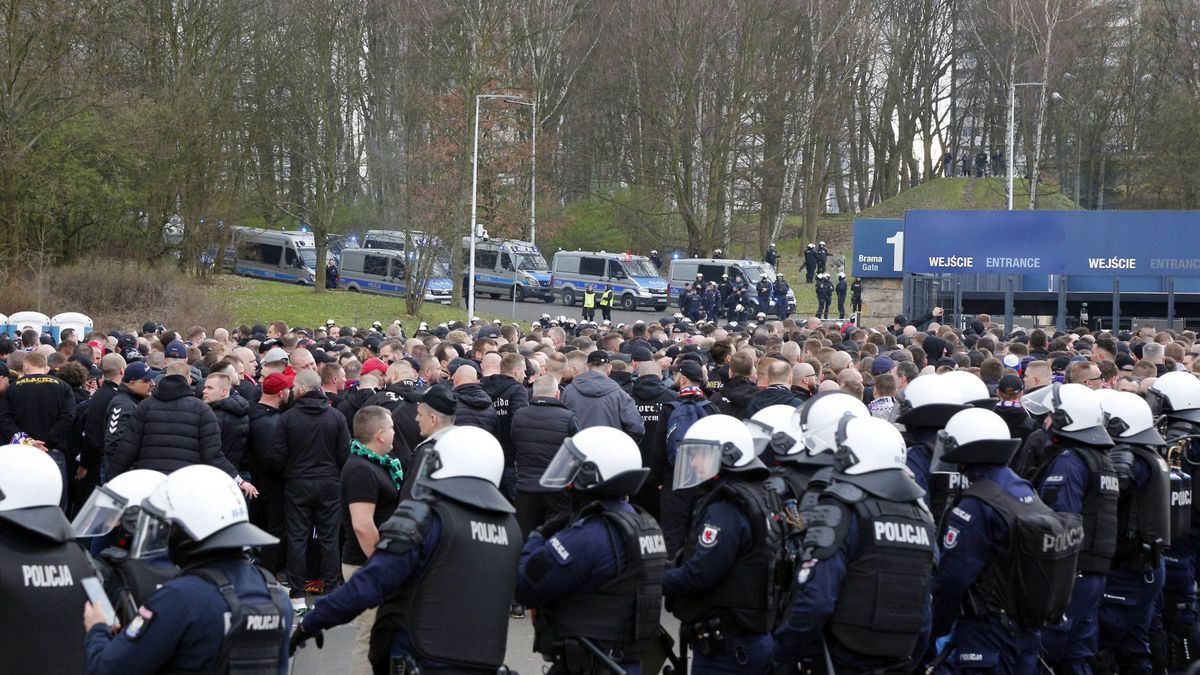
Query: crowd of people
{"x":804,"y":495}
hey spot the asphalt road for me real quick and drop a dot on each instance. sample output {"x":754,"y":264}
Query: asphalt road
{"x":339,"y":643}
{"x":532,"y":310}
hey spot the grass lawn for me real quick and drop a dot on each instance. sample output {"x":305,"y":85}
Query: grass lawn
{"x":257,"y":301}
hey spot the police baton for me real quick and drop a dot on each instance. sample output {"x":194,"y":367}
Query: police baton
{"x":678,"y":663}
{"x":941,"y":657}
{"x":604,"y":658}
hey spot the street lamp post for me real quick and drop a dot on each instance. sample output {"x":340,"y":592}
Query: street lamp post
{"x":475,"y":189}
{"x":1012,"y":133}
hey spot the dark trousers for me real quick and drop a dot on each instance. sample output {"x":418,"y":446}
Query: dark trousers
{"x":535,"y":508}
{"x":312,"y":504}
{"x":841,"y":306}
{"x":856,"y":304}
{"x":606,"y":312}
{"x":268,"y":513}
{"x":808,"y":273}
{"x":822,"y":308}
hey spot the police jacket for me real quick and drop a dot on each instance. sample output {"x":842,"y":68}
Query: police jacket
{"x":856,"y":289}
{"x":311,"y":440}
{"x":864,"y":581}
{"x":116,"y":419}
{"x":261,"y":440}
{"x":728,"y":561}
{"x":599,"y":402}
{"x":435,"y":557}
{"x":841,"y":288}
{"x":95,"y":422}
{"x":810,"y":257}
{"x":170,"y":430}
{"x":600,"y":578}
{"x":181,"y":628}
{"x":508,"y":396}
{"x":1083,"y":480}
{"x":735,"y":396}
{"x":42,"y":406}
{"x":233,"y":417}
{"x":1143,"y":508}
{"x":474,"y":408}
{"x":538,"y":430}
{"x":780,"y":289}
{"x":129,"y":581}
{"x":773,"y":395}
{"x":763,"y":287}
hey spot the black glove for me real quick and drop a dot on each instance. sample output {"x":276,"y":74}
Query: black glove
{"x":556,"y":522}
{"x":300,"y":636}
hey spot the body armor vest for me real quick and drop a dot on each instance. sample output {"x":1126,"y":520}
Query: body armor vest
{"x":1143,"y":515}
{"x":257,"y":630}
{"x":1181,"y":505}
{"x":747,"y":595}
{"x":466,"y":589}
{"x":884,"y":597}
{"x":133,"y":581}
{"x":41,"y":583}
{"x":1099,"y":511}
{"x":622,"y":615}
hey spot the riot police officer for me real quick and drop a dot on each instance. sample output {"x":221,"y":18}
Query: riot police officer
{"x":822,"y":258}
{"x":1080,"y":479}
{"x":221,"y":613}
{"x":590,"y":575}
{"x":1143,"y":516}
{"x":997,"y":527}
{"x":725,"y":289}
{"x":656,"y":259}
{"x":926,"y":404}
{"x":771,"y":257}
{"x":780,"y":290}
{"x":723,"y":591}
{"x":810,"y":262}
{"x":41,"y":567}
{"x":763,"y":290}
{"x":824,"y":295}
{"x":861,"y":600}
{"x":454,"y":545}
{"x":112,"y":512}
{"x":856,"y":297}
{"x":841,"y":295}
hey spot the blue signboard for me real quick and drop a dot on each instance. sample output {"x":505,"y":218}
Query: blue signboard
{"x":1075,"y":243}
{"x":878,"y":247}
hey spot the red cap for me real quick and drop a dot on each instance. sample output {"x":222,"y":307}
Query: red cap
{"x":373,"y":364}
{"x":275,"y":383}
{"x":98,"y":346}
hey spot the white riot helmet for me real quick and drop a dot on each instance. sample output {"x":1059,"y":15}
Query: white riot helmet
{"x":30,"y":488}
{"x":818,"y":419}
{"x":713,"y":444}
{"x":1129,"y":418}
{"x":600,"y":460}
{"x":976,"y":436}
{"x":1177,"y":395}
{"x":1074,"y":411}
{"x":195,"y":509}
{"x":108,"y":503}
{"x":465,"y":464}
{"x":973,"y":391}
{"x":867,"y":445}
{"x":774,"y":427}
{"x":930,"y":401}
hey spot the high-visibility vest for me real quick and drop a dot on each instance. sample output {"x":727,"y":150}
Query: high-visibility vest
{"x":589,"y":299}
{"x":606,"y":299}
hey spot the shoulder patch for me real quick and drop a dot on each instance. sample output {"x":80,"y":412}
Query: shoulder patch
{"x":962,"y":515}
{"x":951,"y":538}
{"x":406,"y":528}
{"x":709,"y":535}
{"x":140,"y":623}
{"x":560,"y":551}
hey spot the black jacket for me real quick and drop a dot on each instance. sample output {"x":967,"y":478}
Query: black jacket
{"x":408,"y":434}
{"x":474,"y":408}
{"x":733,"y":398}
{"x":312,"y":441}
{"x":263,"y":420}
{"x":115,"y":419}
{"x":508,"y":396}
{"x":624,"y":380}
{"x":649,"y":394}
{"x":94,"y":424}
{"x":538,"y":430}
{"x":232,"y":416}
{"x":772,"y":396}
{"x":42,"y":406}
{"x":170,"y":430}
{"x":389,"y":397}
{"x":351,"y":403}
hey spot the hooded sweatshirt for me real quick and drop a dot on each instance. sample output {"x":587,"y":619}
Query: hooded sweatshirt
{"x":598,"y":401}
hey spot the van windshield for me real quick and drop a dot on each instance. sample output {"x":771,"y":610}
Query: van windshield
{"x":755,"y":272}
{"x":640,"y":268}
{"x":309,"y":256}
{"x":532,"y":263}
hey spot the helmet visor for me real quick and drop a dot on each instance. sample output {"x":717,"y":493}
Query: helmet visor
{"x":563,"y":468}
{"x":761,"y":434}
{"x":696,"y":462}
{"x":1039,"y":402}
{"x":150,"y":537}
{"x":821,"y":439}
{"x":100,"y":514}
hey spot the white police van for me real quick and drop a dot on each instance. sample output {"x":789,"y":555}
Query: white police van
{"x":275,"y":254}
{"x":748,"y":272}
{"x":384,"y":271}
{"x":635,"y":282}
{"x":507,"y":266}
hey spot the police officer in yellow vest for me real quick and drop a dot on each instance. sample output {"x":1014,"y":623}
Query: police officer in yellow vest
{"x":589,"y":303}
{"x":606,"y":301}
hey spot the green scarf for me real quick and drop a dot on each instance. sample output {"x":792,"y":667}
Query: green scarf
{"x":390,"y":463}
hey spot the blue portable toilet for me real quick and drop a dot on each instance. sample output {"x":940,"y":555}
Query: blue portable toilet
{"x":5,"y":329}
{"x":22,"y":320}
{"x":82,"y":323}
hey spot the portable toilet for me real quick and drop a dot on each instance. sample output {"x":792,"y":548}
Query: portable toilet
{"x":82,"y":323}
{"x":20,"y":321}
{"x":5,"y":329}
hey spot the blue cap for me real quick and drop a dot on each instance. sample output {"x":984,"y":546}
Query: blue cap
{"x":137,"y":371}
{"x":176,"y":350}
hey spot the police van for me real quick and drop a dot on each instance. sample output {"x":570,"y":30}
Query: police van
{"x":385,"y":272}
{"x":746,"y":272}
{"x":634,"y":281}
{"x":275,"y":254}
{"x":507,"y":266}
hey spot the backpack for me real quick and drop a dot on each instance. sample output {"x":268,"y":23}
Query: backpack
{"x":684,"y":414}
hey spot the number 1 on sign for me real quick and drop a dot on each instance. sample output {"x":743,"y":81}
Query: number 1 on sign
{"x":897,"y":242}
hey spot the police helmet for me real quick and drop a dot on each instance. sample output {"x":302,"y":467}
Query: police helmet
{"x":866,"y":445}
{"x":929,"y":401}
{"x":817,"y":420}
{"x":30,"y":488}
{"x":1075,"y":413}
{"x":196,"y":509}
{"x":1128,"y":418}
{"x":974,"y":391}
{"x":1177,"y":395}
{"x":464,"y":464}
{"x":774,"y":427}
{"x":600,"y":460}
{"x":119,"y":500}
{"x":713,"y":444}
{"x":976,"y":436}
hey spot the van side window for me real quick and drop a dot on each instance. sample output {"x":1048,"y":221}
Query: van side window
{"x":268,"y":253}
{"x":566,"y":265}
{"x":376,"y":265}
{"x":615,"y":270}
{"x":505,"y":262}
{"x":290,"y":256}
{"x":684,"y":272}
{"x":485,"y":260}
{"x":397,"y":268}
{"x":592,"y":267}
{"x":712,"y":272}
